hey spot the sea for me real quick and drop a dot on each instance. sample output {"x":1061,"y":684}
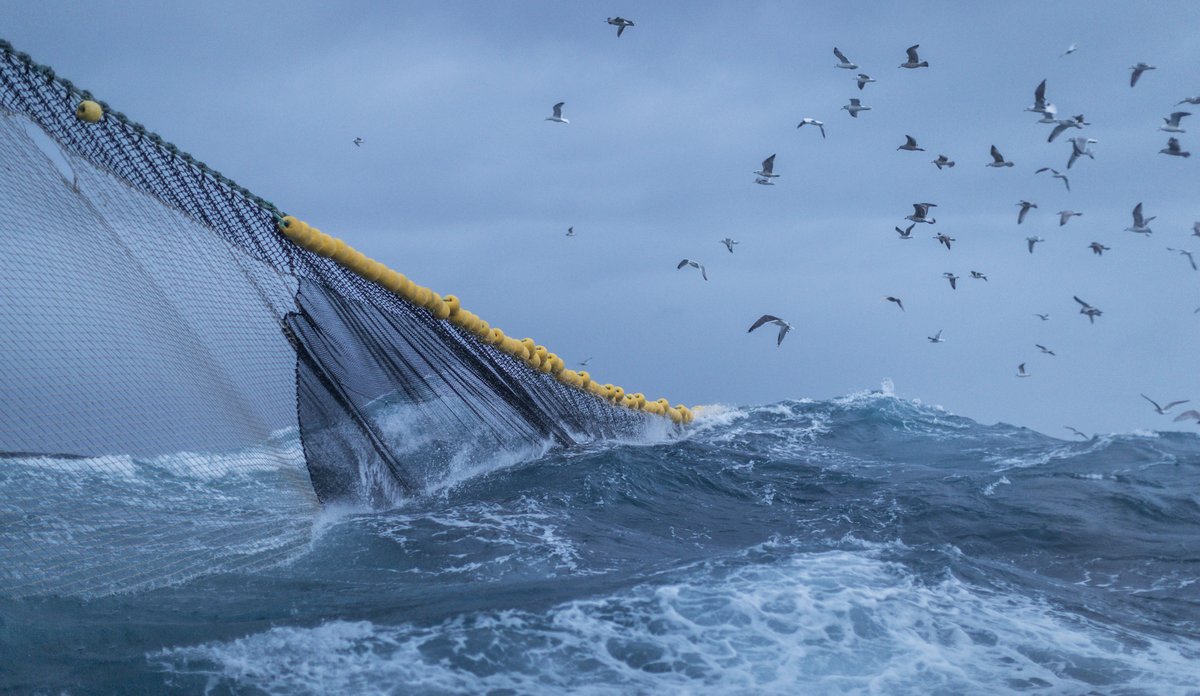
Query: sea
{"x":867,"y":544}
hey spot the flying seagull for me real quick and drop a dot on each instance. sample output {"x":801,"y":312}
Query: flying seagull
{"x":1021,"y":371}
{"x":1097,"y":248}
{"x":945,"y":239}
{"x":910,"y":144}
{"x":812,"y":122}
{"x":570,"y":231}
{"x":843,"y":61}
{"x":952,"y":278}
{"x":921,"y":213}
{"x":1162,"y":410}
{"x":1137,"y":72}
{"x":784,"y":327}
{"x":1057,"y":175}
{"x":906,"y":233}
{"x":855,"y":106}
{"x":1050,"y":115}
{"x":1189,"y":100}
{"x":728,"y":242}
{"x":620,"y":23}
{"x":358,"y":142}
{"x":1069,"y":51}
{"x":768,"y":168}
{"x":558,"y":117}
{"x":764,"y":182}
{"x":1031,"y":241}
{"x":1043,"y":317}
{"x":899,"y":304}
{"x":1088,"y":310}
{"x":914,"y":61}
{"x":943,"y":161}
{"x":1141,"y":224}
{"x":1065,"y":215}
{"x":1044,"y":349}
{"x":1196,"y":229}
{"x":1025,"y":206}
{"x":1171,"y":123}
{"x":1173,"y":148}
{"x":1188,"y":415}
{"x":864,"y":79}
{"x":998,"y":159}
{"x":693,"y":264}
{"x":1084,"y":436}
{"x":1079,"y":148}
{"x":936,"y":338}
{"x":1039,"y":99}
{"x":978,"y":276}
{"x":583,"y":363}
{"x":1188,"y":254}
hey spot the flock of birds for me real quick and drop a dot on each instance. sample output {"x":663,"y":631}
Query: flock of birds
{"x":1080,"y":147}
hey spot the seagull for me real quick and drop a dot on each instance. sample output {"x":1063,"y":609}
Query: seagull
{"x":952,"y":278}
{"x":620,"y":23}
{"x":570,"y":231}
{"x":906,"y":233}
{"x":1057,"y":175}
{"x":1137,"y":72}
{"x":1088,"y":310}
{"x":1065,"y":123}
{"x":812,"y":122}
{"x":899,"y":304}
{"x":1173,"y":148}
{"x":914,"y":61}
{"x":843,"y":61}
{"x":1141,"y":225}
{"x":943,"y":161}
{"x":1097,"y":248}
{"x":1043,"y":317}
{"x":764,"y":182}
{"x":1084,"y":436}
{"x":1171,"y":124}
{"x":855,"y":106}
{"x":1162,"y":410}
{"x":583,"y":363}
{"x":1188,"y":254}
{"x":864,"y":79}
{"x":945,"y":239}
{"x":978,"y":276}
{"x":729,"y":243}
{"x":1188,"y":415}
{"x":936,"y":338}
{"x":998,"y":159}
{"x":693,"y":264}
{"x":1044,"y":349}
{"x":1064,"y":215}
{"x":358,"y":142}
{"x":1031,"y":241}
{"x":768,"y":168}
{"x":1069,"y":51}
{"x":910,"y":144}
{"x":1021,"y":371}
{"x":784,"y":327}
{"x":1196,"y":229}
{"x":1049,"y":115}
{"x":1039,"y":99}
{"x":921,"y":212}
{"x":1025,"y":206}
{"x":558,"y":117}
{"x":1079,"y":148}
{"x":1188,"y":100}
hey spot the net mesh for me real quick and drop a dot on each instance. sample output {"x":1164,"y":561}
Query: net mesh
{"x":181,"y":386}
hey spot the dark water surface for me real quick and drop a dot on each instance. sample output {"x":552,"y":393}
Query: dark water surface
{"x":866,"y":544}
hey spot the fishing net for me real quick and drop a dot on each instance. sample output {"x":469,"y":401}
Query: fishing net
{"x":182,"y":387}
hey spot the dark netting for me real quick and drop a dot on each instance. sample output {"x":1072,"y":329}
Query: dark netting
{"x":180,"y":384}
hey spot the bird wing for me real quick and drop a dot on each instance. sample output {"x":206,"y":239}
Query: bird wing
{"x":703,"y":272}
{"x":1137,"y":215}
{"x":1173,"y":144}
{"x":768,"y":165}
{"x":910,"y":141}
{"x":1043,"y":169}
{"x":996,"y":155}
{"x":1176,"y":116}
{"x":1188,"y":414}
{"x":620,"y":30}
{"x":1137,"y":72}
{"x":682,"y":264}
{"x":840,"y":56}
{"x":1085,"y":305}
{"x":920,"y":210}
{"x":762,"y":320}
{"x":1057,"y":131}
{"x":822,"y":127}
{"x":1021,"y":368}
{"x":912,"y":53}
{"x":855,"y":102}
{"x":558,"y":110}
{"x":1169,"y":406}
{"x":1031,"y":242}
{"x":784,"y":327}
{"x":1156,"y":406}
{"x":1021,"y":215}
{"x":938,"y":334}
{"x":1039,"y":94}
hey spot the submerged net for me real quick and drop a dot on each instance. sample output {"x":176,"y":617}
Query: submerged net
{"x":181,"y":386}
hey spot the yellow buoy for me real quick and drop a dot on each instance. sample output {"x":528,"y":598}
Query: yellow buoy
{"x":89,"y":111}
{"x":452,"y":303}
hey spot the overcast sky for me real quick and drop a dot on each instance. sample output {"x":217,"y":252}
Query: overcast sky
{"x":462,"y":185}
